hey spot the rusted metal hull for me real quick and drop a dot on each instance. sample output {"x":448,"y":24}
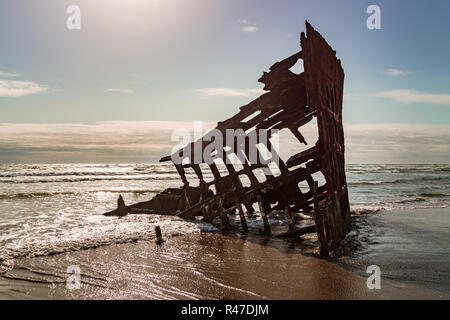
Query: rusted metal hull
{"x":291,"y":101}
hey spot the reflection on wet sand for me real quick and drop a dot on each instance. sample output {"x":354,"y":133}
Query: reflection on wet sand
{"x":196,"y":266}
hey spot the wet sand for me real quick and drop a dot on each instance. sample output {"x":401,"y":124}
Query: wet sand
{"x":410,"y":246}
{"x":198,"y":266}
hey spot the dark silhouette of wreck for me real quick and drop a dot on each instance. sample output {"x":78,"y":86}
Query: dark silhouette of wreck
{"x":292,"y":101}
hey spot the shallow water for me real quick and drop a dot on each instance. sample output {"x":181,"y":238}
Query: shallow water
{"x":55,"y":208}
{"x":48,"y":209}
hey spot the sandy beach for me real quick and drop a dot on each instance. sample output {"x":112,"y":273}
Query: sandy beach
{"x":52,"y":218}
{"x":215,"y":266}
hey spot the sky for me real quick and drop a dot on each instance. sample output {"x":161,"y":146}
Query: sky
{"x":114,"y":90}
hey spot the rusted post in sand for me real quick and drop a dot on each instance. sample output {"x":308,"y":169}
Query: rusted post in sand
{"x":323,"y":245}
{"x":291,"y":222}
{"x":223,"y":214}
{"x":250,"y":210}
{"x":266,"y":231}
{"x":158,"y":234}
{"x":241,"y":214}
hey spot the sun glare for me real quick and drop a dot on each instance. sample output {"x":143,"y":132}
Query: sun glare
{"x":118,"y":8}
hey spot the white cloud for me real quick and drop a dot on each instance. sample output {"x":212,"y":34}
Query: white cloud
{"x":121,"y":90}
{"x":397,"y":143}
{"x":247,"y":26}
{"x":104,"y":141}
{"x":243,"y":21}
{"x":10,"y":88}
{"x":147,"y":141}
{"x":397,"y":72}
{"x":249,"y":29}
{"x":410,"y":96}
{"x":229,"y":92}
{"x":9,"y":74}
{"x":383,"y":142}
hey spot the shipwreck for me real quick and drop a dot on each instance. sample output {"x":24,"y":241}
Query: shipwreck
{"x":291,"y":101}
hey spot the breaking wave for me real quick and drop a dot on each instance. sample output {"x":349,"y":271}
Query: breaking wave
{"x":66,"y":201}
{"x":434,"y":195}
{"x":52,"y":194}
{"x":372,"y":182}
{"x":92,"y":178}
{"x":107,"y":231}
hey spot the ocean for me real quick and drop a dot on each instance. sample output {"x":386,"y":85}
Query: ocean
{"x":56,"y":208}
{"x":52,"y":208}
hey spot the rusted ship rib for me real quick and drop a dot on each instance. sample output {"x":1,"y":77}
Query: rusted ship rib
{"x":291,"y":101}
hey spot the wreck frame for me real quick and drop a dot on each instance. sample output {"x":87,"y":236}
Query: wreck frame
{"x":292,"y":101}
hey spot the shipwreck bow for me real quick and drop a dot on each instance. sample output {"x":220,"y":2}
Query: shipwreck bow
{"x":291,"y":101}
